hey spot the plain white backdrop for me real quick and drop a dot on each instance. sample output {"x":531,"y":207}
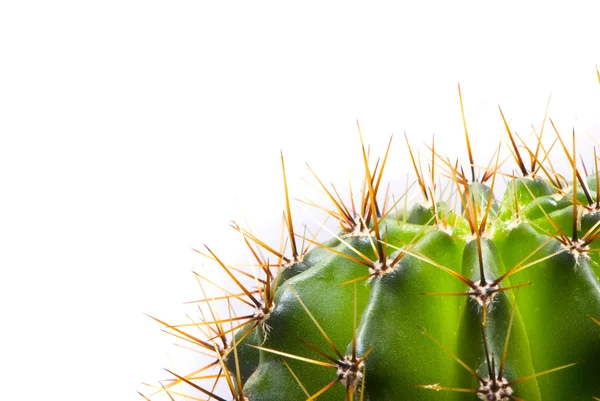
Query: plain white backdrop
{"x":132,"y":131}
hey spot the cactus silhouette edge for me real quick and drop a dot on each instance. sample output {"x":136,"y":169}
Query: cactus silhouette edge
{"x":458,"y":294}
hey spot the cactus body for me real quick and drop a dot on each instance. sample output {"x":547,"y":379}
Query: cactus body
{"x":498,"y":299}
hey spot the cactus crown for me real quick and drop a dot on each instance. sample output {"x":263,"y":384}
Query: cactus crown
{"x":466,"y":294}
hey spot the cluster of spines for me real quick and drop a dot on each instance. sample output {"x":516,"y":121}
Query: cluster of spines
{"x":218,"y":337}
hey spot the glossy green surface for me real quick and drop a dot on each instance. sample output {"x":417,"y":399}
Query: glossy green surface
{"x":418,"y":323}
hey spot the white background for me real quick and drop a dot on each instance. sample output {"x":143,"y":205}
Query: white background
{"x":132,"y":131}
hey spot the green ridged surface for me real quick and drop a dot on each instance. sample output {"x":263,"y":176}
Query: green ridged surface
{"x":403,"y":316}
{"x":468,"y":292}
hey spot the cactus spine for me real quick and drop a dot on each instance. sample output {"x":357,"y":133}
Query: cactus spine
{"x":496,"y":299}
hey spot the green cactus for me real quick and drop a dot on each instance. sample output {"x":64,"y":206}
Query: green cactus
{"x":496,"y":299}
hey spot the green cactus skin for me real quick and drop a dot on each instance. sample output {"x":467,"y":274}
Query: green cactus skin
{"x":497,"y":301}
{"x":550,"y":328}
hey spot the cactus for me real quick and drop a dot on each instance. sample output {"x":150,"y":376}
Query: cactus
{"x":497,"y":298}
